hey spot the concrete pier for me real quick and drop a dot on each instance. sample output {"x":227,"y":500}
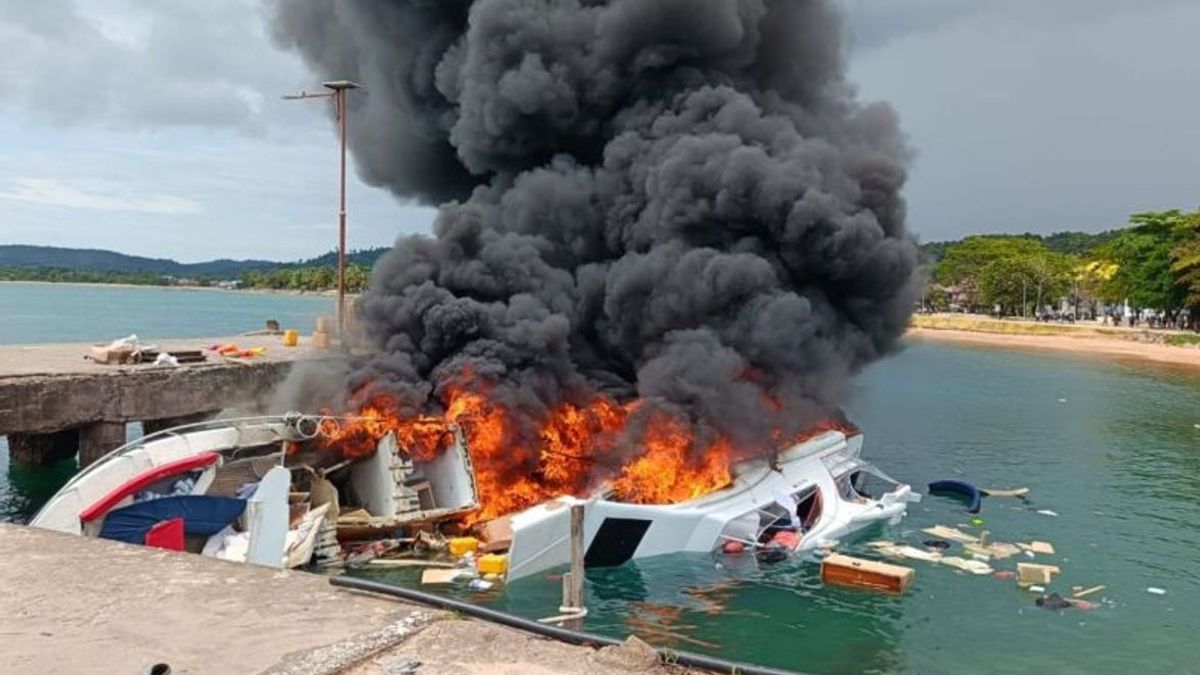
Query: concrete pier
{"x":82,"y":605}
{"x":54,"y":403}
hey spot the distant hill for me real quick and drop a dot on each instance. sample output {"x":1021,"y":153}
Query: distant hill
{"x":97,"y":260}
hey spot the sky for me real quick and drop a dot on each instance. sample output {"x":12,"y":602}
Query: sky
{"x":158,"y":128}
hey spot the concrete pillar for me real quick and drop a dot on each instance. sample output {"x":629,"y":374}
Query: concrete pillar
{"x":43,"y":449}
{"x":154,"y":426}
{"x":98,"y":439}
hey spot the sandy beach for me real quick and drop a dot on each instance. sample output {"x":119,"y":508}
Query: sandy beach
{"x":1082,"y":343}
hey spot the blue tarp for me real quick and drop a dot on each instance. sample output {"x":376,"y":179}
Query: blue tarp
{"x":201,"y":515}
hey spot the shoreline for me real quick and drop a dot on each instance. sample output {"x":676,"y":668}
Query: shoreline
{"x":1084,"y":345}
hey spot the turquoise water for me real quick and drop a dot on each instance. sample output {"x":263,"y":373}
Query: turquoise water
{"x":33,"y":313}
{"x":1112,"y":449}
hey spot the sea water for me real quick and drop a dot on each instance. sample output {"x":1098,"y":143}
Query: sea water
{"x":36,"y":313}
{"x":1112,"y":449}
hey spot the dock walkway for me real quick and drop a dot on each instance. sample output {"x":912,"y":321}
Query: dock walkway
{"x":81,"y":605}
{"x":54,"y":403}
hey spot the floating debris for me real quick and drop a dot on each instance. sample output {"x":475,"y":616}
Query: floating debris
{"x":442,"y":576}
{"x":1048,"y":512}
{"x":973,"y":566}
{"x":943,"y":532}
{"x":1156,"y":591}
{"x":1054,"y":602}
{"x":1015,"y":492}
{"x":843,"y":570}
{"x":1039,"y":547}
{"x":1029,"y":574}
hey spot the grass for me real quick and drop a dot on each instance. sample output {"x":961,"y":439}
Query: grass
{"x":981,"y":324}
{"x":1182,"y":340}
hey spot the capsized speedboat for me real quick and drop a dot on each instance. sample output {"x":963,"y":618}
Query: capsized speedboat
{"x":806,"y":497}
{"x":265,"y":490}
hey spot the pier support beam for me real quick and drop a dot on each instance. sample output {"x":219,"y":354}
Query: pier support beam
{"x":98,"y":439}
{"x":43,"y":449}
{"x":155,"y":426}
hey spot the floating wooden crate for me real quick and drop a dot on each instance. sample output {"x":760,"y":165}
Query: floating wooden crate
{"x":843,"y":570}
{"x":1031,"y":574}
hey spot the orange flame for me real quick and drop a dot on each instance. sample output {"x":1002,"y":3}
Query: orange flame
{"x":577,"y":449}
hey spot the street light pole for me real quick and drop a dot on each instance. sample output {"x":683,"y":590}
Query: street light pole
{"x":337,"y":93}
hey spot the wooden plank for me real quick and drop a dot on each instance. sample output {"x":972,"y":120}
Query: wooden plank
{"x":438,"y":576}
{"x":496,"y":535}
{"x":1088,"y":591}
{"x":573,"y":593}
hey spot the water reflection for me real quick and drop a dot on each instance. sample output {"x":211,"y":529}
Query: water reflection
{"x":26,"y":488}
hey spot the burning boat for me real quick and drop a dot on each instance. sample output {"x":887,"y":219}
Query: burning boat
{"x":807,"y":497}
{"x":265,"y":490}
{"x":288,"y":490}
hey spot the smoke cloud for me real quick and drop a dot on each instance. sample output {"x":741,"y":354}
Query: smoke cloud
{"x":676,"y":200}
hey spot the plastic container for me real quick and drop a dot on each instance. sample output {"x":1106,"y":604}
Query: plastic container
{"x":463,"y":545}
{"x":291,"y":338}
{"x":493,"y":564}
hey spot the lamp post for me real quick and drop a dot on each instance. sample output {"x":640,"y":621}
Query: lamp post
{"x":337,"y":93}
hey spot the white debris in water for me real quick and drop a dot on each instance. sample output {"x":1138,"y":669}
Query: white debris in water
{"x":1156,"y":591}
{"x":1047,"y":512}
{"x":1062,"y":400}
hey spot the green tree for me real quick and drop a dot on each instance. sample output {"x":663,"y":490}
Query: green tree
{"x":976,"y":261}
{"x":1185,"y":264}
{"x":1025,"y":281}
{"x":357,"y":277}
{"x":1146,"y":261}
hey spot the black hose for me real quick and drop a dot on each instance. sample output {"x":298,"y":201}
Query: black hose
{"x":574,"y":637}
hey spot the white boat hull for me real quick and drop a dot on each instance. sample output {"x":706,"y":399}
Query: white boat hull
{"x":616,"y":532}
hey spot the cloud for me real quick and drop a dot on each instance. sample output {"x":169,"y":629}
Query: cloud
{"x":135,"y":64}
{"x":875,"y":23}
{"x":1044,"y":116}
{"x":55,"y":193}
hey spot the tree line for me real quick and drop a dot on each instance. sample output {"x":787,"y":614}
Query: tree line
{"x":70,"y":276}
{"x":310,"y":278}
{"x":1152,"y":265}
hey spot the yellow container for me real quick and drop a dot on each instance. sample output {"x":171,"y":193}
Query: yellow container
{"x":291,"y":338}
{"x":493,"y":564}
{"x":463,"y":545}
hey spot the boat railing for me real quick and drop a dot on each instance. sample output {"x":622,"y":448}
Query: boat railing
{"x":306,"y":427}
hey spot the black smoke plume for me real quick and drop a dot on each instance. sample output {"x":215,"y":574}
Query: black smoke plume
{"x":677,"y":200}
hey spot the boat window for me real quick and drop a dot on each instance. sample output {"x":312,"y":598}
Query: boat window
{"x":808,"y":508}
